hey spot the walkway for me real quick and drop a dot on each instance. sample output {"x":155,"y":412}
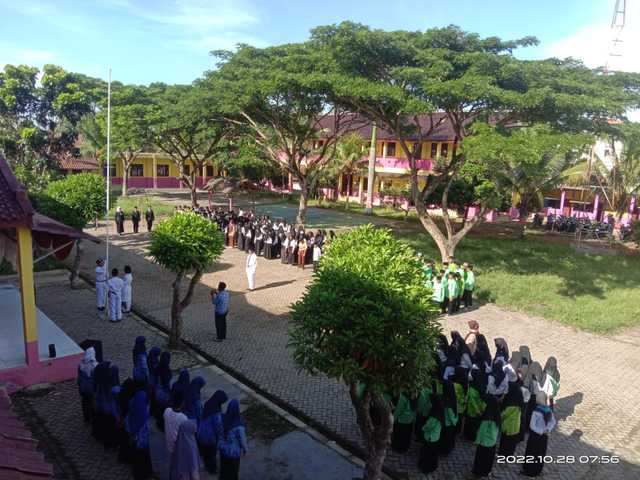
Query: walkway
{"x":598,"y":408}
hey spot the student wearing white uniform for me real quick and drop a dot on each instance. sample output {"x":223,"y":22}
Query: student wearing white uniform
{"x":114,"y":286}
{"x":127,"y":289}
{"x":250,"y":267}
{"x":101,"y":284}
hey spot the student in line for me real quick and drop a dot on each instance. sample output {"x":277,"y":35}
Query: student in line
{"x":233,"y":444}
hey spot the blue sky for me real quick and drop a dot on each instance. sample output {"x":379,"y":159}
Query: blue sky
{"x":169,"y":40}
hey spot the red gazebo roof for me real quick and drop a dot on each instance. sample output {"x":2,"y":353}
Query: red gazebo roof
{"x":15,"y":207}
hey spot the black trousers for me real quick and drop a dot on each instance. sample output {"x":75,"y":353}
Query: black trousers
{"x":149,"y":226}
{"x":467,"y":297}
{"x":209,"y":454}
{"x":451,"y":305}
{"x":229,"y":468}
{"x":221,"y":326}
{"x":87,"y":406}
{"x":135,"y":227}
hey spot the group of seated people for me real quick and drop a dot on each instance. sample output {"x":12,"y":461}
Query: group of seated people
{"x":495,"y":402}
{"x":270,"y":238}
{"x":120,"y":415}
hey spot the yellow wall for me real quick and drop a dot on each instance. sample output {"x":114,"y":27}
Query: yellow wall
{"x":426,"y":149}
{"x":147,"y":161}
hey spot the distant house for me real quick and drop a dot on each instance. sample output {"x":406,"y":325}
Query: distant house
{"x":71,"y":165}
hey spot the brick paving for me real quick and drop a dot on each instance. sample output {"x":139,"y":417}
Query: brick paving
{"x":55,"y":414}
{"x":598,"y":402}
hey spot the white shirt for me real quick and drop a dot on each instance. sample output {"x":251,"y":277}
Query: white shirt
{"x":317,"y":253}
{"x":252,"y":263}
{"x":172,"y":422}
{"x":115,"y":285}
{"x":101,"y":274}
{"x":538,"y":424}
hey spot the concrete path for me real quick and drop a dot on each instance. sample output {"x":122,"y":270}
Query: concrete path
{"x":598,"y":401}
{"x":54,"y":413}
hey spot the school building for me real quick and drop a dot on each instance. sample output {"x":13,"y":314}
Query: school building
{"x":157,"y":170}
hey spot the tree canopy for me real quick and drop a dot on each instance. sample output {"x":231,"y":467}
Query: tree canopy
{"x":369,"y":324}
{"x":282,"y":96}
{"x":458,"y":79}
{"x":185,"y":243}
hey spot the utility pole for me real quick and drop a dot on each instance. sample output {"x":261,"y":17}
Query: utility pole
{"x":372,"y":172}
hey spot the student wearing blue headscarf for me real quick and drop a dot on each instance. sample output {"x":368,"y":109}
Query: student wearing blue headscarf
{"x":180,"y":386}
{"x":193,"y":401}
{"x":137,"y":427}
{"x":162,"y":391}
{"x":152,"y":365}
{"x":102,"y":391}
{"x":233,"y":443}
{"x":211,"y":430}
{"x":112,"y":418}
{"x":127,"y":392}
{"x":140,"y":361}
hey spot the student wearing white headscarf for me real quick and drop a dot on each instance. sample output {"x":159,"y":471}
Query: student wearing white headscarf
{"x":86,"y":383}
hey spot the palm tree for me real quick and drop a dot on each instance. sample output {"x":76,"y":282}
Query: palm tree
{"x":348,"y":159}
{"x":617,"y":176}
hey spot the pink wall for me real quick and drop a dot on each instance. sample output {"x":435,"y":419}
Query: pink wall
{"x":394,"y":162}
{"x":41,"y":371}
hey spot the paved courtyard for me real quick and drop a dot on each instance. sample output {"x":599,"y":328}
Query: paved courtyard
{"x":597,"y":407}
{"x":53,"y":413}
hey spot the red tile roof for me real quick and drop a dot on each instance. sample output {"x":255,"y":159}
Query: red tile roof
{"x":78,"y":163}
{"x":19,"y":457}
{"x":441,"y":133}
{"x":15,"y":207}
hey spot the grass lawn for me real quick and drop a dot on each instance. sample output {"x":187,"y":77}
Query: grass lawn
{"x":594,"y":292}
{"x":141,"y":201}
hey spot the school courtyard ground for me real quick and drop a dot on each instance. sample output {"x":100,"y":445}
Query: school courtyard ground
{"x":597,"y":407}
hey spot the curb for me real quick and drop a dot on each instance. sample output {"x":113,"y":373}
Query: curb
{"x":344,"y":447}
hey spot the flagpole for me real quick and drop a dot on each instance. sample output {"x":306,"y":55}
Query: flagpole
{"x":106,"y":211}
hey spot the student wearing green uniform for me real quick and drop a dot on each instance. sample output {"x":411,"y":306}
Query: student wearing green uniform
{"x":469,"y":286}
{"x":423,"y":407}
{"x":460,"y":287}
{"x":487,"y":438}
{"x":403,"y":418}
{"x":475,"y":403}
{"x":511,"y":415}
{"x":448,"y":434}
{"x":460,"y":381}
{"x":439,"y":293}
{"x":427,"y":269}
{"x":428,"y":459}
{"x":452,"y":292}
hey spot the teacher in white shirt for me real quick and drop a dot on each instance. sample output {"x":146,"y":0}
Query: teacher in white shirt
{"x":250,"y":266}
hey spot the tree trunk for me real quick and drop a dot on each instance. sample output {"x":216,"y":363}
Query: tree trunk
{"x":302,"y":206}
{"x":376,"y":437}
{"x":194,"y":191}
{"x":125,"y":180}
{"x":175,"y":333}
{"x":75,"y":268}
{"x":346,"y":203}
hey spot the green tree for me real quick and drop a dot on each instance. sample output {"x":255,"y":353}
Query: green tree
{"x":456,"y":79}
{"x":522,"y":162}
{"x":616,"y":177}
{"x":84,"y":192}
{"x":370,"y":325}
{"x":280,"y":94}
{"x":84,"y":195}
{"x":185,"y":243}
{"x":188,"y":126}
{"x":130,"y":128}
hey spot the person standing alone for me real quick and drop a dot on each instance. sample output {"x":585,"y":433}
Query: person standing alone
{"x":149,"y":217}
{"x":120,"y":220}
{"x":135,"y":219}
{"x":220,"y":301}
{"x":250,"y":267}
{"x":101,"y":284}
